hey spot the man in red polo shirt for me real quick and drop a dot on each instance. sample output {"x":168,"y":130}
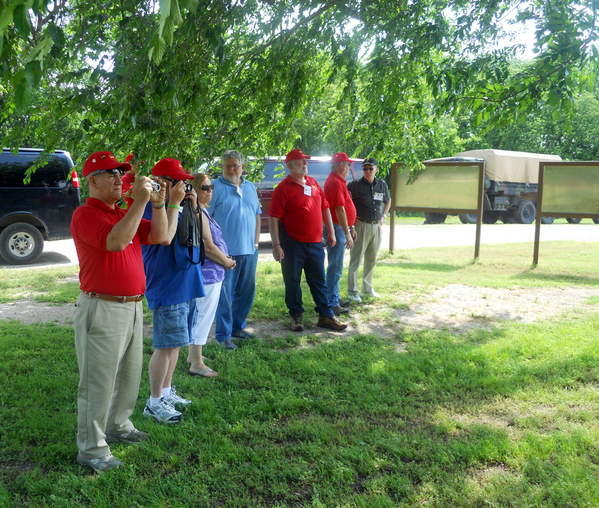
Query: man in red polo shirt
{"x":295,"y":222}
{"x":108,"y":316}
{"x":343,"y":213}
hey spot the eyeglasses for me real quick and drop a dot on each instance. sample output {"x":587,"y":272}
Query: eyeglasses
{"x":207,"y":187}
{"x":369,"y":168}
{"x":115,"y":171}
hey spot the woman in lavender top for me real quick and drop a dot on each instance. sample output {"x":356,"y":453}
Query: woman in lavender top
{"x":213,"y":272}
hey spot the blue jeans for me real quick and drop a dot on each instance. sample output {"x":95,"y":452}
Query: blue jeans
{"x":335,"y":268}
{"x":308,"y":257}
{"x":236,"y":296}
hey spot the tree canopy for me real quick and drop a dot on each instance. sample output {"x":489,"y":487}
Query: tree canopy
{"x":189,"y":78}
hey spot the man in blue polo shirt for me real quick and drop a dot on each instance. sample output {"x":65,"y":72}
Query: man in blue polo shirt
{"x":236,"y":209}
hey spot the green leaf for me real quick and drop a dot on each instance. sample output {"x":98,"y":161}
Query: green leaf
{"x":21,"y":20}
{"x":41,"y":50}
{"x":6,"y":17}
{"x":157,"y":49}
{"x":175,"y":13}
{"x":57,"y":34}
{"x":190,"y":5}
{"x":169,"y":30}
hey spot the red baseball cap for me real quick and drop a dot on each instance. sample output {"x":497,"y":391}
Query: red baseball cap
{"x":171,"y":168}
{"x":103,"y":160}
{"x":340,"y":157}
{"x":296,"y":155}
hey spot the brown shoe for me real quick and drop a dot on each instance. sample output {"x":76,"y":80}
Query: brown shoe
{"x":297,"y":323}
{"x":331,"y":322}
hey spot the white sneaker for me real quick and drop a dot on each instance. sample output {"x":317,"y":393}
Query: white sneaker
{"x":164,"y":412}
{"x":371,"y":295}
{"x":354,"y":298}
{"x":175,"y":399}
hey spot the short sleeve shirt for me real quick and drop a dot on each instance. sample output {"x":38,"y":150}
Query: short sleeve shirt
{"x":235,"y":210}
{"x":172,"y":277}
{"x":101,"y":271}
{"x":299,"y":208}
{"x":336,"y":193}
{"x":369,"y":198}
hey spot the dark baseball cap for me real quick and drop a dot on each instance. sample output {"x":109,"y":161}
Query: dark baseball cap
{"x":369,"y":160}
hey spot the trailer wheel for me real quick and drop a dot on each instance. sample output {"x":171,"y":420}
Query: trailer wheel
{"x":596,"y":221}
{"x":435,"y":218}
{"x":526,"y":212}
{"x":547,"y":220}
{"x":490,"y":217}
{"x":573,"y":220}
{"x":467,"y":218}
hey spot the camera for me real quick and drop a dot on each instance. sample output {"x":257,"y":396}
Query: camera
{"x":155,"y":186}
{"x":188,"y":187}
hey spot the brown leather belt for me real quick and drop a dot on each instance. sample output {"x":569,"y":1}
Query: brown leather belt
{"x":110,"y":298}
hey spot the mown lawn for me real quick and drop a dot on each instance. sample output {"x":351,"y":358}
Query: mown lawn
{"x":500,"y":417}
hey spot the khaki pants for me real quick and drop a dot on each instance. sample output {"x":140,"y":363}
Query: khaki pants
{"x":367,"y":245}
{"x":108,"y":338}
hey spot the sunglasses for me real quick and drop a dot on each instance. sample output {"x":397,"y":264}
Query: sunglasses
{"x":115,"y":171}
{"x":370,"y":168}
{"x":207,"y":187}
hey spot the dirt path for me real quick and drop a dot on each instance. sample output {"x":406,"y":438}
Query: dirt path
{"x":456,"y":307}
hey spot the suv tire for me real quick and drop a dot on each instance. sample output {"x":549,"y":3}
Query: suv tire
{"x":21,"y":243}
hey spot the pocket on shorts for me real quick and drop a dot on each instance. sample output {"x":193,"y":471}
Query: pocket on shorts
{"x":173,"y":319}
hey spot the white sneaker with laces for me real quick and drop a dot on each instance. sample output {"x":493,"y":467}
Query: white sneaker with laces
{"x":175,"y":399}
{"x":164,"y":412}
{"x":354,"y":298}
{"x":371,"y":295}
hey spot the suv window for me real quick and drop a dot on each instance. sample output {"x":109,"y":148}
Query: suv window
{"x":13,"y":168}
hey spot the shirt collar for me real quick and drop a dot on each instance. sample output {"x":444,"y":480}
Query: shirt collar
{"x":225,"y":181}
{"x":98,"y":203}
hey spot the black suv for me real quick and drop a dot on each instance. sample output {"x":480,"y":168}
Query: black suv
{"x":37,"y":211}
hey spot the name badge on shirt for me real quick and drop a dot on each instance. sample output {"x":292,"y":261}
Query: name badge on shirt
{"x":307,"y":190}
{"x":378,"y":196}
{"x":240,"y":192}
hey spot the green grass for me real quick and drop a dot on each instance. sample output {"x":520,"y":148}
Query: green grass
{"x":501,"y":417}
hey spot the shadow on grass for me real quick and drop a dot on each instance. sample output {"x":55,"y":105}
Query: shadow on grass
{"x":578,"y":280}
{"x":348,"y":422}
{"x":428,"y":267}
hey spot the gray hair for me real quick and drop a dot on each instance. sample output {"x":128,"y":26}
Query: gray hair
{"x":233,"y":154}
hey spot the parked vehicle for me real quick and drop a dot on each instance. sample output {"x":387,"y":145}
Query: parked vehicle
{"x":511,"y":186}
{"x":39,"y":210}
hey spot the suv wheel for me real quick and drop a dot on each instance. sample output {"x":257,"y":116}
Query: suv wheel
{"x":21,"y":243}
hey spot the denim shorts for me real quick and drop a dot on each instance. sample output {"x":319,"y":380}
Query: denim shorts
{"x":174,"y":325}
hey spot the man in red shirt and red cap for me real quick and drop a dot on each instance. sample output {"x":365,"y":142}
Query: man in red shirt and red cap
{"x":343,"y":213}
{"x":295,"y":219}
{"x":108,"y":317}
